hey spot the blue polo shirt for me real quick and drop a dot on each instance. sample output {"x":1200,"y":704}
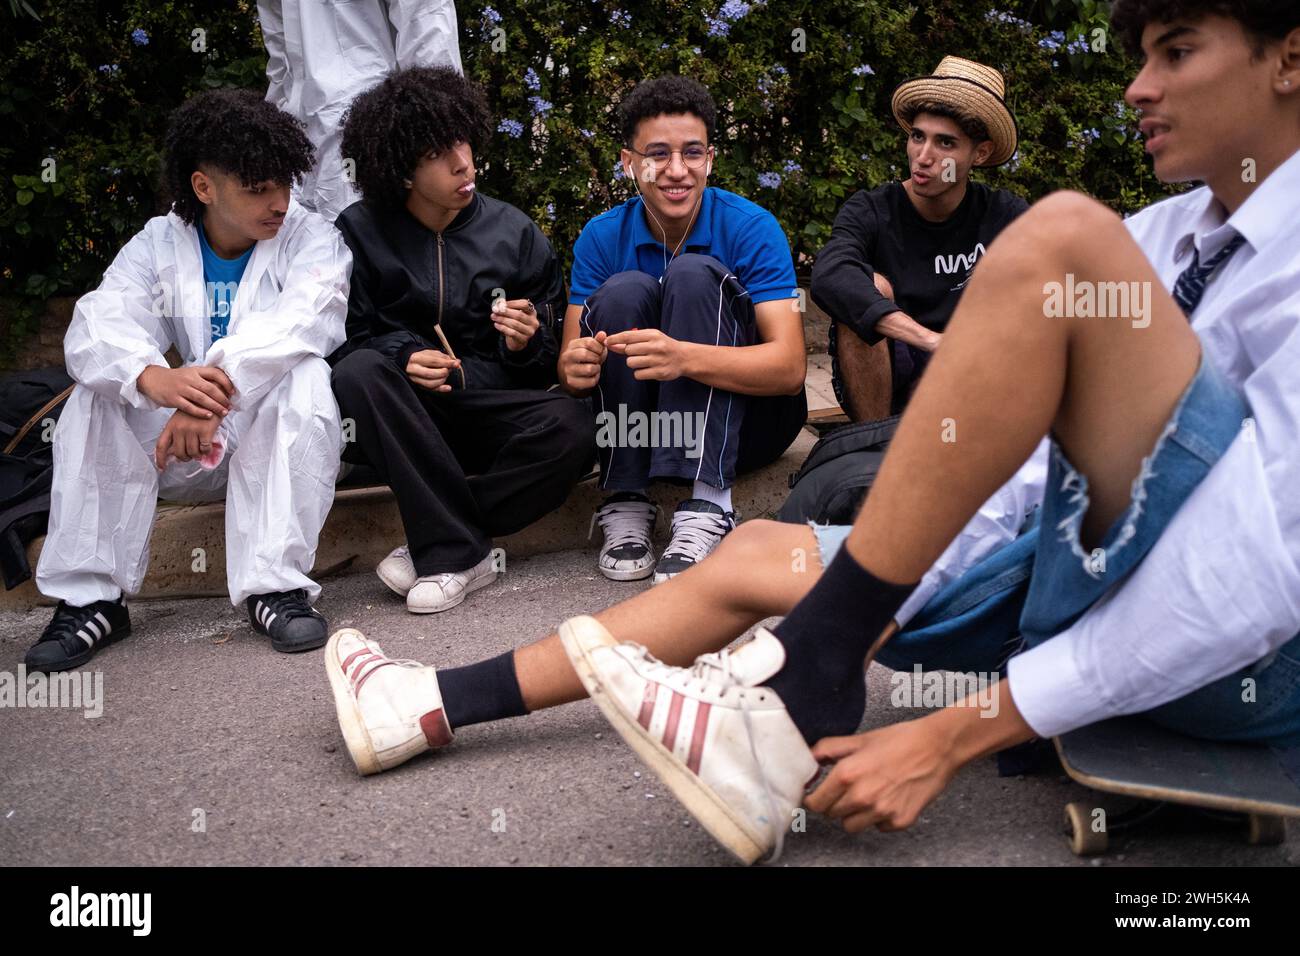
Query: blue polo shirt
{"x":744,"y":237}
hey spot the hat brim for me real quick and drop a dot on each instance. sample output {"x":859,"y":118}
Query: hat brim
{"x":967,"y":96}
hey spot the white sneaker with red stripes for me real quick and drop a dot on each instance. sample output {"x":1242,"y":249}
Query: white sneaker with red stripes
{"x":723,"y":744}
{"x":389,"y":710}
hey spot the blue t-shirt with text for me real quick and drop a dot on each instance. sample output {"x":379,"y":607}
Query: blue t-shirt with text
{"x":742,"y":235}
{"x":221,"y":282}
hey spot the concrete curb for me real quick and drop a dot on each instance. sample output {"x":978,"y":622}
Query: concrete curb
{"x":188,"y":554}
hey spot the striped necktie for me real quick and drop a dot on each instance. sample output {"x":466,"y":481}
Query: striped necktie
{"x":1191,"y":284}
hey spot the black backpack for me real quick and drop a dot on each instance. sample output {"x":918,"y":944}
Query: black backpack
{"x":833,"y":481}
{"x":27,"y":399}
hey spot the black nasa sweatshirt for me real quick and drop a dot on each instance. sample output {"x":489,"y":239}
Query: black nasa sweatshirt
{"x":928,"y":263}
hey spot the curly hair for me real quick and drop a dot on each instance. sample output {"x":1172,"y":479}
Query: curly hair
{"x":669,"y":94}
{"x":972,"y":127}
{"x":413,"y":112}
{"x":1262,"y":20}
{"x":236,"y":132}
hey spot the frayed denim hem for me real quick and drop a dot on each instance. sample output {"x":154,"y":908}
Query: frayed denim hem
{"x":1075,"y":485}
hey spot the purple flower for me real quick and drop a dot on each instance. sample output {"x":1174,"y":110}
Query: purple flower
{"x":110,"y":69}
{"x":1014,"y":162}
{"x":1053,"y":41}
{"x":621,"y":18}
{"x":769,"y":180}
{"x":540,"y":106}
{"x":718,"y":28}
{"x":863,"y":70}
{"x":1001,"y":16}
{"x":139,"y":37}
{"x":550,"y":210}
{"x":792,"y":167}
{"x":589,"y":134}
{"x":778,"y":69}
{"x":733,"y":10}
{"x":618,"y":170}
{"x":512,"y":128}
{"x":491,"y":16}
{"x":532,"y":80}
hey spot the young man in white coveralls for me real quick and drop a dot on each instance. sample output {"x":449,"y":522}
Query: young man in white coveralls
{"x":251,"y":290}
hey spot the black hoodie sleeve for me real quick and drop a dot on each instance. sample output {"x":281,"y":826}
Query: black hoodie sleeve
{"x":366,"y":328}
{"x":843,"y":276}
{"x":542,"y":282}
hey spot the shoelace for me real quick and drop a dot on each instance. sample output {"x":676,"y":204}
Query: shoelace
{"x":696,"y":533}
{"x":67,"y":621}
{"x":710,"y":670}
{"x":624,"y":522}
{"x":287,"y":604}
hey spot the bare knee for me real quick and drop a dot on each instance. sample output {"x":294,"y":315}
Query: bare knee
{"x":762,"y":553}
{"x":1064,"y":219}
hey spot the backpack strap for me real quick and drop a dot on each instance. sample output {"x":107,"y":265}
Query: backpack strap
{"x":31,"y":422}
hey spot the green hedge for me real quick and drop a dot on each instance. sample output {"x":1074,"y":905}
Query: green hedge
{"x":803,"y":90}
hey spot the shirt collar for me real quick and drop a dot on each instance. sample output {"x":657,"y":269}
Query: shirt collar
{"x":1261,"y":219}
{"x":701,"y":235}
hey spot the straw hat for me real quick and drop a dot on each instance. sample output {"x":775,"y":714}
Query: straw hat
{"x":971,"y":89}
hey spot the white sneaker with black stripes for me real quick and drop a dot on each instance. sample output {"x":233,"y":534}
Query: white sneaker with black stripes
{"x":722,"y":743}
{"x":75,"y":634}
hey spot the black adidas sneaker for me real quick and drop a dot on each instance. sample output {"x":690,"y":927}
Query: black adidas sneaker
{"x":285,"y":616}
{"x":75,"y":634}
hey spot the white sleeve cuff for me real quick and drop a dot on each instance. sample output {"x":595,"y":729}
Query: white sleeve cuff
{"x":1051,"y":692}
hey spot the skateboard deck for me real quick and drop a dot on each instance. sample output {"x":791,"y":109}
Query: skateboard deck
{"x":1134,"y":757}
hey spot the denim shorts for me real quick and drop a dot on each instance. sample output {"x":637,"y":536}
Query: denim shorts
{"x":1042,"y":582}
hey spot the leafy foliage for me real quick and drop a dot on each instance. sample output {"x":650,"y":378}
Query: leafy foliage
{"x":802,"y":87}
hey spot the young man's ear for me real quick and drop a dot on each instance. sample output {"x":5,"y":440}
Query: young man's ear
{"x":203,"y":186}
{"x":982,"y":153}
{"x":1288,"y":78}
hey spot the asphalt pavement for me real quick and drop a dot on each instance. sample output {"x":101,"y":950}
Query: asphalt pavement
{"x":214,"y":749}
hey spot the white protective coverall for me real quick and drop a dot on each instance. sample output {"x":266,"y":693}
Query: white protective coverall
{"x":283,"y":432}
{"x":322,"y":53}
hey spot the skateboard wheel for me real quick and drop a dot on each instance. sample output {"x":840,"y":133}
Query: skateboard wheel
{"x":1265,"y":830}
{"x":1084,"y":840}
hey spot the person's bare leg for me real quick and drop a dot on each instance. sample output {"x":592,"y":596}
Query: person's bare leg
{"x":761,"y":569}
{"x":1007,"y":374}
{"x":865,"y":370}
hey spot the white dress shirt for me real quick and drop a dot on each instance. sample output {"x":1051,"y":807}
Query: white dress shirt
{"x":1220,"y":589}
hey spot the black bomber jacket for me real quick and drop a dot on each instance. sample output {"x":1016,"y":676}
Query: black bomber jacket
{"x":407,"y":279}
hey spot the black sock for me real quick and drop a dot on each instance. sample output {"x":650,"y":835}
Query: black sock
{"x":481,"y":692}
{"x":826,"y":639}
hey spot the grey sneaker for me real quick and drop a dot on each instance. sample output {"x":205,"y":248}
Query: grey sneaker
{"x":627,"y":520}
